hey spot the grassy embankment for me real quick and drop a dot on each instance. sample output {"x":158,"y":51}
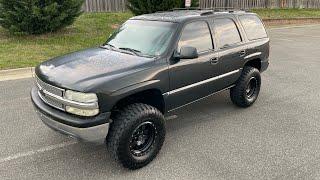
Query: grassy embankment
{"x":88,"y":31}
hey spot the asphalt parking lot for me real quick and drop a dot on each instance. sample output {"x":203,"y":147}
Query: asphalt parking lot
{"x":277,"y":138}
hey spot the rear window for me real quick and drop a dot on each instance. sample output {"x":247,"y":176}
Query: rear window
{"x":253,"y":27}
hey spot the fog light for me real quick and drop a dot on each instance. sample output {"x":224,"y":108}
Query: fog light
{"x":82,"y":112}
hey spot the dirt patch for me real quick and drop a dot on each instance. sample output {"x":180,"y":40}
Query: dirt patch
{"x":115,"y":26}
{"x":295,"y":21}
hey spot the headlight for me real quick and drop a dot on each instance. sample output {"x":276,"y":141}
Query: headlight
{"x":83,"y":99}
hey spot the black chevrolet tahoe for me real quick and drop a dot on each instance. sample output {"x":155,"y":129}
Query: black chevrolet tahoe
{"x":153,"y":64}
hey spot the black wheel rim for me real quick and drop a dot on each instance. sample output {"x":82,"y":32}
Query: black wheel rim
{"x":251,"y":88}
{"x":142,"y":139}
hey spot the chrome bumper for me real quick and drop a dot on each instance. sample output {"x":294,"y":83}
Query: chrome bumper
{"x":95,"y":134}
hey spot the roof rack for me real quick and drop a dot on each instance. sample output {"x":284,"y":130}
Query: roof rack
{"x":212,"y":8}
{"x":209,"y":11}
{"x":198,"y":8}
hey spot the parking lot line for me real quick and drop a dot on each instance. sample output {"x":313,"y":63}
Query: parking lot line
{"x":37,"y":151}
{"x":49,"y":148}
{"x":284,"y":39}
{"x":171,"y":117}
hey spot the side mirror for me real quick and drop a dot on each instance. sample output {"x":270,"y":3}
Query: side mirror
{"x":188,"y":52}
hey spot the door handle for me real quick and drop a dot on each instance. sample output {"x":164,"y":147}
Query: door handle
{"x":214,"y":61}
{"x":242,"y":53}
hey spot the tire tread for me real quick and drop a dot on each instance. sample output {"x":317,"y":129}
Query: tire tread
{"x":237,"y":92}
{"x":124,"y":119}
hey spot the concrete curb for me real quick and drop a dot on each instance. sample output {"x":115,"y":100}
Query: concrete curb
{"x":291,"y":26}
{"x":290,"y":21}
{"x":13,"y":74}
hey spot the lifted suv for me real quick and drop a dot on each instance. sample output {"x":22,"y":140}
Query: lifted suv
{"x":153,"y":64}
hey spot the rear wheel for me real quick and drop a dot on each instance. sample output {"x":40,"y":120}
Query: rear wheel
{"x":136,"y":135}
{"x":247,"y":88}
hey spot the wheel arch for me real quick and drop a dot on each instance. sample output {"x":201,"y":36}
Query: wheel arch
{"x":147,"y":92}
{"x":256,"y":63}
{"x":152,"y":97}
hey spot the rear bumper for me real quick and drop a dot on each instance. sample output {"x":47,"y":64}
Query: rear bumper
{"x":93,"y":129}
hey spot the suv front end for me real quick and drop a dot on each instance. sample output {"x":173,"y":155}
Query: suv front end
{"x":71,"y":113}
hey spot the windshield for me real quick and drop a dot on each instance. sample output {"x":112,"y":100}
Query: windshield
{"x":150,"y":38}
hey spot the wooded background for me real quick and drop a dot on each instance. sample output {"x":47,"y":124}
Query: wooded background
{"x":120,"y":5}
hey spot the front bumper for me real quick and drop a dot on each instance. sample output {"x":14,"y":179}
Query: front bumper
{"x":90,"y":129}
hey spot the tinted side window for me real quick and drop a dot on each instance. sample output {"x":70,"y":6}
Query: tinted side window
{"x":197,"y":35}
{"x":253,"y":27}
{"x":226,"y":32}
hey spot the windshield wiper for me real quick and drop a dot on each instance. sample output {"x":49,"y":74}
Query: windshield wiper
{"x":109,"y":45}
{"x":134,"y":51}
{"x":131,"y":50}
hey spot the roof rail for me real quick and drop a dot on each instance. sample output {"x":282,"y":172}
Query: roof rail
{"x":209,"y":11}
{"x":216,"y":9}
{"x":212,"y":8}
{"x":181,"y":9}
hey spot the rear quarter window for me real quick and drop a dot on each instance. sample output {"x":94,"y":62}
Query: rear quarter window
{"x":253,"y":27}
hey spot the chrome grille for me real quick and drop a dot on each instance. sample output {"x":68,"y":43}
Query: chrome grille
{"x":45,"y":90}
{"x":50,"y":101}
{"x":49,"y":88}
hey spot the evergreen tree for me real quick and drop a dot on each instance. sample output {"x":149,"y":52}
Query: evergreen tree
{"x":38,"y":16}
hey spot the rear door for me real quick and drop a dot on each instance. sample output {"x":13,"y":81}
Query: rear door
{"x":231,"y":47}
{"x":190,"y":78}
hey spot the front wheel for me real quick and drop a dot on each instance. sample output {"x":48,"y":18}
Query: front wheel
{"x":136,"y":135}
{"x":247,"y":88}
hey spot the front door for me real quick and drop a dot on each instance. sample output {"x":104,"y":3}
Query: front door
{"x":191,"y":79}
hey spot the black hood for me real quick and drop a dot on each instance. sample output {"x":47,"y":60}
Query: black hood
{"x":83,"y":69}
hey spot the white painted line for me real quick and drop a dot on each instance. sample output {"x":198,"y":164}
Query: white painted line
{"x":38,"y":151}
{"x":171,"y":117}
{"x":283,"y":39}
{"x":49,"y":148}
